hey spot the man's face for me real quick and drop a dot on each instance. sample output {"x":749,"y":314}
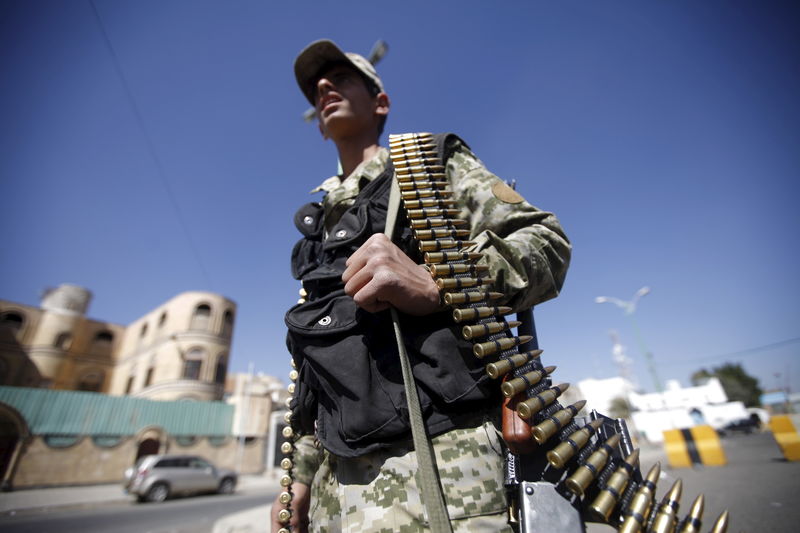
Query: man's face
{"x":343,"y":102}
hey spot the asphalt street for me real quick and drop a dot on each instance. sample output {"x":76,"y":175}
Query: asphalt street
{"x":757,"y":486}
{"x":183,"y":515}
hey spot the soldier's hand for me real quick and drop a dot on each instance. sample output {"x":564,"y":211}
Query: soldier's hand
{"x":380,"y":275}
{"x":301,"y":498}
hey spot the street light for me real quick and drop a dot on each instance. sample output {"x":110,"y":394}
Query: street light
{"x":630,"y":308}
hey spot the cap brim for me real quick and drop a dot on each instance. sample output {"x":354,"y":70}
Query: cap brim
{"x":312,"y":60}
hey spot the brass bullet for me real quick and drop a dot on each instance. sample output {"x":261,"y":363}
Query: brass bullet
{"x":287,"y":432}
{"x":546,"y":429}
{"x":504,"y":366}
{"x":293,"y":375}
{"x":694,"y":521}
{"x":291,"y":388}
{"x":639,"y":509}
{"x":561,"y":454}
{"x":428,"y":233}
{"x":451,"y":269}
{"x":426,"y":184}
{"x":425,"y":193}
{"x":286,"y":463}
{"x":443,"y":257}
{"x":482,"y":330}
{"x":285,"y":498}
{"x":474,"y":313}
{"x":721,"y":524}
{"x":417,"y":168}
{"x":420,"y":177}
{"x":512,"y":387}
{"x":666,"y":516}
{"x":286,"y":480}
{"x":287,"y":417}
{"x":583,"y":476}
{"x":287,"y":447}
{"x":413,"y":151}
{"x":284,"y":515}
{"x":443,"y":244}
{"x":462,"y":283}
{"x":428,"y":223}
{"x":482,"y":349}
{"x":526,"y":409}
{"x":603,"y":505}
{"x":454,"y":298}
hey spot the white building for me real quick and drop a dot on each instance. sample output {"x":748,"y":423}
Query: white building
{"x":675,"y":408}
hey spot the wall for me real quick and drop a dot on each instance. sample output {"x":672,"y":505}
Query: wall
{"x":85,"y":463}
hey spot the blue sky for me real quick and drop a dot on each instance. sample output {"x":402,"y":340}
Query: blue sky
{"x":664,"y":135}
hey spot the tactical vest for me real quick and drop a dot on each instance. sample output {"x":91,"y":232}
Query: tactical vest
{"x":350,"y":388}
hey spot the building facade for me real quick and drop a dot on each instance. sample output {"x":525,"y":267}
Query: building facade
{"x":177,"y":351}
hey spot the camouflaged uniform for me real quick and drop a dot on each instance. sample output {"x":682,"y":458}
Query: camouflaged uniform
{"x":528,"y":255}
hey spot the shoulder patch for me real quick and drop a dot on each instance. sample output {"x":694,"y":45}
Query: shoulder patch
{"x":506,"y":194}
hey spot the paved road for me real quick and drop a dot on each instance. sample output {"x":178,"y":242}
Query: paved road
{"x":759,"y":488}
{"x":184,"y":515}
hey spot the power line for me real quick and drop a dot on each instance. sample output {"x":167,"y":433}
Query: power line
{"x":749,"y":351}
{"x":150,"y":146}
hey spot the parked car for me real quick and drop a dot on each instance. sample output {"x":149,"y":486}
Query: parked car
{"x":155,"y":478}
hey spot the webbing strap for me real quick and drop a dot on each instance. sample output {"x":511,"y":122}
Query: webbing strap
{"x":428,"y":476}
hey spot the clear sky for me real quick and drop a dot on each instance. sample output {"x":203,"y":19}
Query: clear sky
{"x":160,"y":149}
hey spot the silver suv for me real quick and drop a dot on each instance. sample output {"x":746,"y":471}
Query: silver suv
{"x":155,"y":478}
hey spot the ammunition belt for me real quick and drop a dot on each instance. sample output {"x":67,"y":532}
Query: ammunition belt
{"x":598,"y":473}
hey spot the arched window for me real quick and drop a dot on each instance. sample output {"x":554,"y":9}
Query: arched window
{"x":12,"y":322}
{"x":102,"y":342}
{"x":193,"y":363}
{"x":201,"y":318}
{"x":227,"y":323}
{"x":221,"y":369}
{"x":92,"y":382}
{"x":162,"y":319}
{"x":63,"y":341}
{"x":143,"y":331}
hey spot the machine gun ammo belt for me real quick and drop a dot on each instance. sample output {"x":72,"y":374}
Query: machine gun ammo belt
{"x":584,"y":466}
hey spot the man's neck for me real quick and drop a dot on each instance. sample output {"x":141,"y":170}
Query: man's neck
{"x":353,"y":152}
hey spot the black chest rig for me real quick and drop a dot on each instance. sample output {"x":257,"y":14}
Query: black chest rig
{"x":350,"y":388}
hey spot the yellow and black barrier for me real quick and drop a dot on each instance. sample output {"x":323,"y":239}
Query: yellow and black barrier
{"x":698,"y":445}
{"x":786,"y":435}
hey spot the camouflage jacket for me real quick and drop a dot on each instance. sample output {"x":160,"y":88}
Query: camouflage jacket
{"x":525,"y":248}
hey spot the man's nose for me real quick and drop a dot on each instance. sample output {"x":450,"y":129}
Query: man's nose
{"x":324,"y":86}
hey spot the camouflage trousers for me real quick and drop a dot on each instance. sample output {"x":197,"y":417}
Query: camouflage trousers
{"x":378,"y":493}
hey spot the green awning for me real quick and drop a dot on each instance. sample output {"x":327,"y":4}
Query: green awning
{"x":56,"y":412}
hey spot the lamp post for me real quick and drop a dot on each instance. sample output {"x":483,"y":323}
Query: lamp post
{"x":630,"y":309}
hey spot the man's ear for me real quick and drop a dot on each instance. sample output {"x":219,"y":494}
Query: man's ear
{"x":382,"y":104}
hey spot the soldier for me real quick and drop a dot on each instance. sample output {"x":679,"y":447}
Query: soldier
{"x":354,"y":463}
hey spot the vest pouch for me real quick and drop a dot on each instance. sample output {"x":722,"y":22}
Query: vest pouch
{"x":350,"y":356}
{"x":352,"y":229}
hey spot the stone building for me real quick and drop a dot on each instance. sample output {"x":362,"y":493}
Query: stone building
{"x":177,"y":351}
{"x":96,"y":395}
